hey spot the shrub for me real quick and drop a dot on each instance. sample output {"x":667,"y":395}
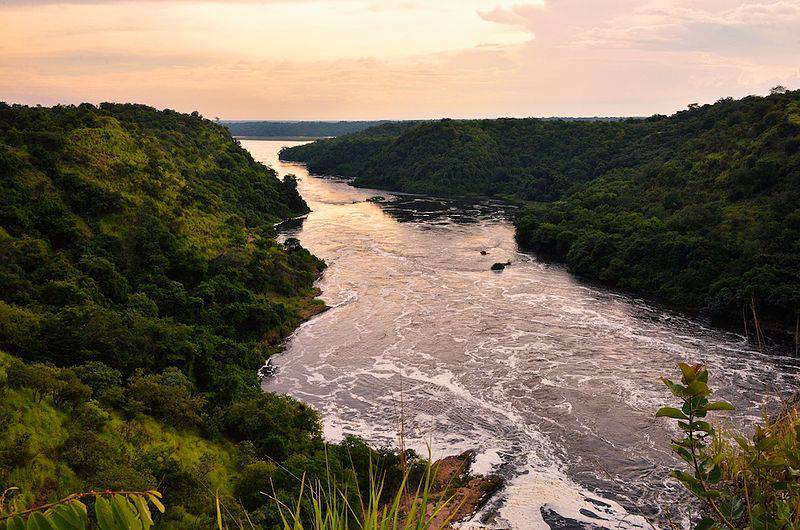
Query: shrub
{"x":105,"y":382}
{"x":747,"y":484}
{"x":254,"y":479}
{"x":17,"y":452}
{"x":47,"y":380}
{"x":167,"y":395}
{"x":92,"y":416}
{"x":274,"y":424}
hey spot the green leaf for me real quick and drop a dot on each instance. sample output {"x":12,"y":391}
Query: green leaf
{"x":731,"y":507}
{"x":689,"y":373}
{"x":698,"y":388}
{"x":686,"y":478}
{"x":778,"y":461}
{"x":781,"y":486}
{"x":671,"y":412}
{"x":696,"y":404}
{"x":706,"y":523}
{"x":767,"y":443}
{"x":682,"y":452}
{"x":69,"y":517}
{"x":144,"y":511}
{"x":125,"y":514}
{"x":154,"y":495}
{"x":702,"y":426}
{"x":715,"y":475}
{"x":694,"y":485}
{"x":677,"y":390}
{"x":696,"y":426}
{"x":104,"y":515}
{"x":37,"y":521}
{"x":16,"y":523}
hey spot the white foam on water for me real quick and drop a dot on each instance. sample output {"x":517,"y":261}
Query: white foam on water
{"x":552,"y":381}
{"x":486,"y":462}
{"x":552,"y":491}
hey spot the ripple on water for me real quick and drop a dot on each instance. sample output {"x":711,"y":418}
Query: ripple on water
{"x":555,"y":382}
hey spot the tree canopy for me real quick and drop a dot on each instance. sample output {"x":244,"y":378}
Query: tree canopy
{"x":141,"y":288}
{"x":698,"y":209}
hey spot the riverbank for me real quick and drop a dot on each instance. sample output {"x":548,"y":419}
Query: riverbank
{"x":141,"y":287}
{"x":460,"y":492}
{"x":553,"y":381}
{"x":697,"y":210}
{"x":772,"y":336}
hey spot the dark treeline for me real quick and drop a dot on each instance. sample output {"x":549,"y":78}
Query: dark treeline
{"x":325,"y":129}
{"x":291,"y":129}
{"x":141,"y":288}
{"x":699,"y":209}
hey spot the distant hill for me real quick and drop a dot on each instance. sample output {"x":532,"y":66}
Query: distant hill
{"x":328,"y":129}
{"x":300,"y":129}
{"x":699,"y":209}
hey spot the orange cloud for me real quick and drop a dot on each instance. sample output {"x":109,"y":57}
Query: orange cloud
{"x":340,"y":59}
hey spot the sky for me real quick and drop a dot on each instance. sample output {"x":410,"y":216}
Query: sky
{"x":397,"y":59}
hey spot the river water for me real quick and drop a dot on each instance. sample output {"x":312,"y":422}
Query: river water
{"x":554,"y":381}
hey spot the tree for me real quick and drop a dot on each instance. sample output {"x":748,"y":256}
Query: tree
{"x":167,"y":395}
{"x":47,"y":380}
{"x":105,"y":382}
{"x":255,"y":478}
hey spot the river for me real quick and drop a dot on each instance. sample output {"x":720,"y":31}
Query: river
{"x":554,"y":381}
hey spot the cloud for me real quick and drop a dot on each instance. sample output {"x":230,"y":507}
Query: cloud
{"x":519,"y":15}
{"x":709,"y":25}
{"x":763,"y":14}
{"x":91,"y":62}
{"x":675,"y":25}
{"x":338,"y":59}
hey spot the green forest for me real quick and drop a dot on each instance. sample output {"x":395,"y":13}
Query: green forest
{"x":700,"y":210}
{"x":300,"y":129}
{"x":141,"y":288}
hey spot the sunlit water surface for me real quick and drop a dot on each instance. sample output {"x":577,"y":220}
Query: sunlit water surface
{"x":554,"y":381}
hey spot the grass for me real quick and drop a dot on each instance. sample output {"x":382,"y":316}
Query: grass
{"x":326,"y":506}
{"x":43,"y":474}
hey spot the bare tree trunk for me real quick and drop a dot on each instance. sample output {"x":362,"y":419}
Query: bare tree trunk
{"x":744,"y":319}
{"x":759,"y":335}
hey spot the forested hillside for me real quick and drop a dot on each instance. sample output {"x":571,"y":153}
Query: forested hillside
{"x":290,"y":129}
{"x":699,"y":209}
{"x":141,"y":288}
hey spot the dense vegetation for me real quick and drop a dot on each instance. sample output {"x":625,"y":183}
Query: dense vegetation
{"x":141,"y":288}
{"x":301,"y":129}
{"x":699,"y":209}
{"x":742,"y":483}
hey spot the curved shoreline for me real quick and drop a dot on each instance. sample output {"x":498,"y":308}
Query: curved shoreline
{"x":511,"y":364}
